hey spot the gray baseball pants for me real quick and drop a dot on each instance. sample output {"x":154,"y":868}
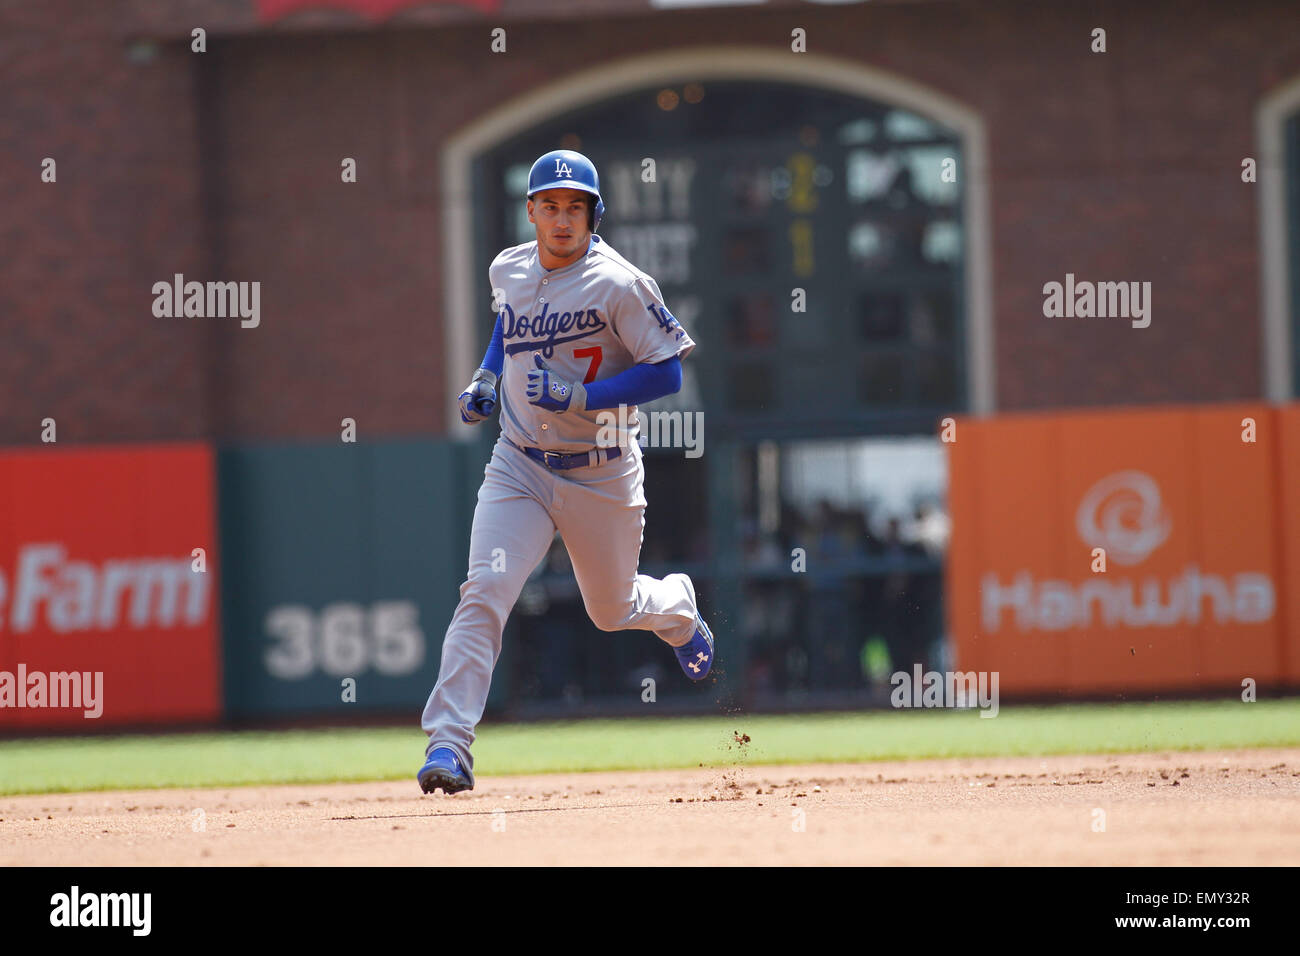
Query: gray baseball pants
{"x":600,"y":514}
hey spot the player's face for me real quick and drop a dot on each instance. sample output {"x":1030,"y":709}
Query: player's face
{"x":561,"y":217}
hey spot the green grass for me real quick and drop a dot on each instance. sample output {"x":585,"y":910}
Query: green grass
{"x":327,"y":755}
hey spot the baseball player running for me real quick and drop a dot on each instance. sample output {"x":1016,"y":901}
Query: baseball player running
{"x":579,"y":329}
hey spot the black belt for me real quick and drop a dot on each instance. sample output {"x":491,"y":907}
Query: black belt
{"x":558,"y":461}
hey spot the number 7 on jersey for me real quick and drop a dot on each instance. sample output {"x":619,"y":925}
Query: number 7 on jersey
{"x":594,"y":354}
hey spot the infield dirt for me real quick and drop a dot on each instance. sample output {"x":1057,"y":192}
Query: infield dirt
{"x":1206,"y":808}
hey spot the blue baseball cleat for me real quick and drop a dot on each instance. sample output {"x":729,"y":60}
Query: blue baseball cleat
{"x":696,"y":655}
{"x":443,"y":769}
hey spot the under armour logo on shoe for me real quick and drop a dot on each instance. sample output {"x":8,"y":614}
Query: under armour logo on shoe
{"x":700,"y":658}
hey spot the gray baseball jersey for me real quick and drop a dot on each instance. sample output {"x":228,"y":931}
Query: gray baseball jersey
{"x":590,"y":320}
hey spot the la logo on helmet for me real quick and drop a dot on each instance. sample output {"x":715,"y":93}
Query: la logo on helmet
{"x":562,"y":168}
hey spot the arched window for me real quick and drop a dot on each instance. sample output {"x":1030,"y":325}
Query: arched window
{"x":818,"y":244}
{"x":1278,"y":158}
{"x":807,"y":239}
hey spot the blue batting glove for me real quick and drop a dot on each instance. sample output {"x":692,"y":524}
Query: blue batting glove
{"x":548,"y":391}
{"x":479,"y":400}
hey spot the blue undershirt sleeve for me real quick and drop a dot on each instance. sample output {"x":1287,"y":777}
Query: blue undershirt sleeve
{"x":495,"y":356}
{"x":639,"y":384}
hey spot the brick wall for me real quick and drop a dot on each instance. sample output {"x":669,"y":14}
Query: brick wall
{"x":1117,"y":166}
{"x":79,"y":341}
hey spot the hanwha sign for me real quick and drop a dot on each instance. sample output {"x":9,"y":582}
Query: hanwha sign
{"x":1191,"y":591}
{"x":1123,"y":515}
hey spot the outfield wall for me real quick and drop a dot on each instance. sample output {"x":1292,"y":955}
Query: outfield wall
{"x":327,"y":591}
{"x":109,"y":588}
{"x":1132,"y":550}
{"x":343,"y":564}
{"x":1142,"y":550}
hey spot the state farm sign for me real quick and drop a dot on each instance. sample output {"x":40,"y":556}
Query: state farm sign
{"x":50,"y":590}
{"x":1185,"y":514}
{"x":108,"y":568}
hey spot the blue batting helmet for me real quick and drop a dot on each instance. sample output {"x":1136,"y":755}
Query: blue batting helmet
{"x":565,"y":169}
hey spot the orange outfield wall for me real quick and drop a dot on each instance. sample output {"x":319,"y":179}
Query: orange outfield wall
{"x":1192,"y":523}
{"x":1288,"y":484}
